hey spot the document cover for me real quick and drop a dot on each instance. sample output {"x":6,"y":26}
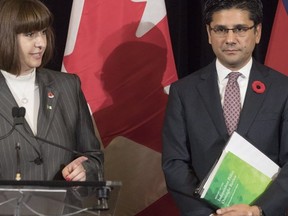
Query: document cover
{"x":241,"y":175}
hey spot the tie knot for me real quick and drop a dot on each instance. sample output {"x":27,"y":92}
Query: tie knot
{"x":233,"y":76}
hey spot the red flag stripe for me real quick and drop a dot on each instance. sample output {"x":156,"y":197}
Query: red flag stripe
{"x":278,"y":45}
{"x":123,"y":74}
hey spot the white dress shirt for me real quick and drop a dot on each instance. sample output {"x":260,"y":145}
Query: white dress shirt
{"x":222,"y":72}
{"x":26,"y":93}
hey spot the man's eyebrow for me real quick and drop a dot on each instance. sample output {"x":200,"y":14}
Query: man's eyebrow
{"x":234,"y":26}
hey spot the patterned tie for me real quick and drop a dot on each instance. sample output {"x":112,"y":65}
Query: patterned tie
{"x":232,"y":102}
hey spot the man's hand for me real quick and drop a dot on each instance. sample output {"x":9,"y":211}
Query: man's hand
{"x":75,"y":171}
{"x":239,"y":210}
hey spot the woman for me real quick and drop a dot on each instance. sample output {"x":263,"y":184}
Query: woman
{"x":56,"y":109}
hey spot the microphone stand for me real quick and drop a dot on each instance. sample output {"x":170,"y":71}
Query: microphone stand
{"x":102,"y":192}
{"x":18,"y":173}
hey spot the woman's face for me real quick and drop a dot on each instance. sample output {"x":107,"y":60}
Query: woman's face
{"x":32,"y":46}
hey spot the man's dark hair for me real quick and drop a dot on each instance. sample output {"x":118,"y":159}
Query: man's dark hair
{"x":254,"y":7}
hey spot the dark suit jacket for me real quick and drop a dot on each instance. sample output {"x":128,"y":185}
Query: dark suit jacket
{"x":63,"y":119}
{"x":194,"y":134}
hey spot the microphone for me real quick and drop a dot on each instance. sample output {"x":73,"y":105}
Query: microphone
{"x":103,"y":192}
{"x":17,"y":119}
{"x":19,"y":115}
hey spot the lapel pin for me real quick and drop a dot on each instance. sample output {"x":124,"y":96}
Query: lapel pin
{"x":50,"y":95}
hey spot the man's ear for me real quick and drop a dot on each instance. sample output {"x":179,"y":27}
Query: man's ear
{"x":209,"y":33}
{"x":258,"y":33}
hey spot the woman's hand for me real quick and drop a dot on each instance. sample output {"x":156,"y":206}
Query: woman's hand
{"x":75,"y":171}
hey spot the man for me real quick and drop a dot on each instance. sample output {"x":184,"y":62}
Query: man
{"x":196,"y":128}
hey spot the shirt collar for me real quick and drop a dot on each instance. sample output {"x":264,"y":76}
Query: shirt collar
{"x":222,"y":71}
{"x":14,"y":76}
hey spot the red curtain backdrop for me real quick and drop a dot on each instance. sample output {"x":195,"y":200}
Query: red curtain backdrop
{"x":122,"y":52}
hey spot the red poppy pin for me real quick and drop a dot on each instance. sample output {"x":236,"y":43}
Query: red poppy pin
{"x":258,"y":87}
{"x":50,"y":95}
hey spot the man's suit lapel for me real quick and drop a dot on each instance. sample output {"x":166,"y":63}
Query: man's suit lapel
{"x":209,"y":91}
{"x":48,"y":101}
{"x":253,"y":101}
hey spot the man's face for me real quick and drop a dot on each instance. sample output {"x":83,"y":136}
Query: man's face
{"x":233,"y":49}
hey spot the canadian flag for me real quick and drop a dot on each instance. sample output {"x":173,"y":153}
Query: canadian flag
{"x":277,"y":52}
{"x":122,"y":53}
